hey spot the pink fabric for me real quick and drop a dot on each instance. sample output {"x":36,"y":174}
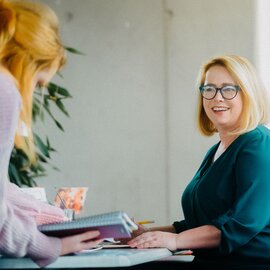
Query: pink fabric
{"x":19,"y":235}
{"x":25,"y":204}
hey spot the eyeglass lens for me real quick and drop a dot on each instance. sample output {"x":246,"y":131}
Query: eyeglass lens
{"x":227,"y":92}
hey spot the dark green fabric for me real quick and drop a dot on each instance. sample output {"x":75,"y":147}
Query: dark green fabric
{"x":233,"y":194}
{"x":180,"y":226}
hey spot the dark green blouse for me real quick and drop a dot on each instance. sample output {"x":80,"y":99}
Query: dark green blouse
{"x":233,"y":194}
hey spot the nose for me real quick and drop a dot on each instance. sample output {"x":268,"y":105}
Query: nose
{"x":218,"y":96}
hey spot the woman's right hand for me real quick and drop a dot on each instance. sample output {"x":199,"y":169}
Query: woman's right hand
{"x":141,"y":229}
{"x":78,"y":242}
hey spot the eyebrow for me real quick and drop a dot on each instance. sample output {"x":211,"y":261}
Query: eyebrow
{"x":223,"y":84}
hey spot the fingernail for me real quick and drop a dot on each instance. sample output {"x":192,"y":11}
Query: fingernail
{"x":97,"y":233}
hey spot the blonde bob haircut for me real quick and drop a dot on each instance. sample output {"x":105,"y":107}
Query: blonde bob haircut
{"x":255,"y":97}
{"x":29,"y":43}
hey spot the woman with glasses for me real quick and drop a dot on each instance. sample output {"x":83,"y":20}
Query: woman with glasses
{"x":31,"y":52}
{"x":226,"y":205}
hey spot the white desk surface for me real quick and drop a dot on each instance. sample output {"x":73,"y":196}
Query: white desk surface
{"x":100,"y":258}
{"x":177,"y":258}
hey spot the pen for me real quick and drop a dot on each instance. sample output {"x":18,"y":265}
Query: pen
{"x":145,"y":222}
{"x":63,"y":202}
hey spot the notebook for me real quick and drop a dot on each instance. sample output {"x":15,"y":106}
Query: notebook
{"x":110,"y":225}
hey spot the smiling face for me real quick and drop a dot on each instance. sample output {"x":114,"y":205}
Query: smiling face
{"x":224,"y":114}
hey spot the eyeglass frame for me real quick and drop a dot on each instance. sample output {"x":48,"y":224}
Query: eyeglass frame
{"x":237,"y":89}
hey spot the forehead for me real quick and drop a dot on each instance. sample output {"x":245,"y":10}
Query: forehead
{"x":218,"y":75}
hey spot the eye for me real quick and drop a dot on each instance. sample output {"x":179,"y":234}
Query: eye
{"x":228,"y":88}
{"x":209,"y":88}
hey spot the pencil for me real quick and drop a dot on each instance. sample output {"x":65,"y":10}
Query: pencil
{"x":145,"y":222}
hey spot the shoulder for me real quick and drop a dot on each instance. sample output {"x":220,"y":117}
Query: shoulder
{"x":256,"y":143}
{"x":7,"y":82}
{"x":259,"y":135}
{"x":8,"y":88}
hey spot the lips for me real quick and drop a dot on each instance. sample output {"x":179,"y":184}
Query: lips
{"x":220,"y":109}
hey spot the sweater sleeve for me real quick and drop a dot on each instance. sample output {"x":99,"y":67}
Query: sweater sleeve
{"x":180,"y":226}
{"x":19,"y":235}
{"x":42,"y":212}
{"x":246,"y":218}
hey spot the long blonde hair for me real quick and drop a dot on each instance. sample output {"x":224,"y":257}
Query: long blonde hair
{"x":255,"y":97}
{"x":29,"y":43}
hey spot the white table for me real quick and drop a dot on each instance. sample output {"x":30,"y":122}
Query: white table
{"x":101,"y":258}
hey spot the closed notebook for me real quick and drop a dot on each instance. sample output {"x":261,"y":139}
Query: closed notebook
{"x":110,"y":225}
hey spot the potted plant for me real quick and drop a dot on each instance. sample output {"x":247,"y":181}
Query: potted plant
{"x":21,"y":172}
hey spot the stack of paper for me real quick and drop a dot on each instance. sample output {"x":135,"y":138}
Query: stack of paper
{"x":114,"y":224}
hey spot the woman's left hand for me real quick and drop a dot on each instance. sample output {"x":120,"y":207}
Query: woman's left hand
{"x":154,"y":239}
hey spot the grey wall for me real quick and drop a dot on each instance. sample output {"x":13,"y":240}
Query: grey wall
{"x":132,"y":136}
{"x":197,"y":31}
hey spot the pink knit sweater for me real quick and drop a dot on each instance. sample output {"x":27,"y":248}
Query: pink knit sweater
{"x":19,"y":235}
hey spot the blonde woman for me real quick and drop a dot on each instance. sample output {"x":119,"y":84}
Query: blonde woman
{"x":226,"y":205}
{"x":31,"y":52}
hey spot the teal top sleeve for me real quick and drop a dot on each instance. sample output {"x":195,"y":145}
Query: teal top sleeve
{"x":180,"y":226}
{"x":233,"y":194}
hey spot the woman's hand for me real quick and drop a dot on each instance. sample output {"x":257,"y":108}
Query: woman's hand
{"x":141,"y":229}
{"x":79,"y":242}
{"x":154,"y":239}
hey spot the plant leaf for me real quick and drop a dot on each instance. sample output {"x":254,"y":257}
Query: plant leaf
{"x":41,"y":146}
{"x":59,"y":125}
{"x":56,"y":89}
{"x":75,"y":51}
{"x":14,"y":174}
{"x":61,"y":106}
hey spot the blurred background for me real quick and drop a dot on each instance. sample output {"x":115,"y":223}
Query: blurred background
{"x":132,"y":136}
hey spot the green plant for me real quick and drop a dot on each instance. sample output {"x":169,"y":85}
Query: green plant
{"x":21,"y":172}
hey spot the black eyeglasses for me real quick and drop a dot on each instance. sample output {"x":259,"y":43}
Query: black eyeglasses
{"x":227,"y":92}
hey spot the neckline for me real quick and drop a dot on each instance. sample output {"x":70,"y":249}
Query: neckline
{"x":230,"y":146}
